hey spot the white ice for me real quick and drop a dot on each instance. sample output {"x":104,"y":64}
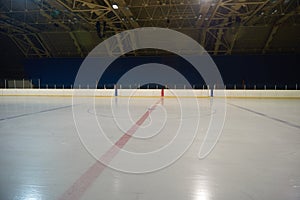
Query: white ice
{"x":256,"y":157}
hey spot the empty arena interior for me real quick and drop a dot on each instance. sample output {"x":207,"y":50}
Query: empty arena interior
{"x":149,"y":99}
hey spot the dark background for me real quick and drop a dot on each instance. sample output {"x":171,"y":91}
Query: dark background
{"x":250,"y":70}
{"x":236,"y":70}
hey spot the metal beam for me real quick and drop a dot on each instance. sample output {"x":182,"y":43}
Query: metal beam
{"x":125,"y":10}
{"x":203,"y":12}
{"x":101,"y":12}
{"x":229,"y":52}
{"x":28,"y":46}
{"x":260,"y":7}
{"x":218,"y":40}
{"x":276,"y":26}
{"x":77,"y":45}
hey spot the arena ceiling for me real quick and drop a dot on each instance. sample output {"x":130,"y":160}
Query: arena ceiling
{"x":72,"y":28}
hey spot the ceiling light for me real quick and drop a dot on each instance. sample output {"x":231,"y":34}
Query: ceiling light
{"x":275,"y":11}
{"x":115,"y":6}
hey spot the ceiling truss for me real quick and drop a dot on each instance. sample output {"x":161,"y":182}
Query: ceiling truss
{"x":218,"y":25}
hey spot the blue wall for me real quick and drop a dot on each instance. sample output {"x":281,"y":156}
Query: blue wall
{"x":258,"y":70}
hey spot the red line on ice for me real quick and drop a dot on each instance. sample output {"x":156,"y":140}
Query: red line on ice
{"x":76,"y":191}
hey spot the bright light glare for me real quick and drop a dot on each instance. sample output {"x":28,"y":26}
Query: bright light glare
{"x":31,"y":194}
{"x":115,"y":6}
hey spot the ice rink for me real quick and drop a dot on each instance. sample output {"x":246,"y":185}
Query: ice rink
{"x":43,"y":157}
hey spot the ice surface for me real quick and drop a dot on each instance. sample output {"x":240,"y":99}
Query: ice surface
{"x":257,"y":156}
